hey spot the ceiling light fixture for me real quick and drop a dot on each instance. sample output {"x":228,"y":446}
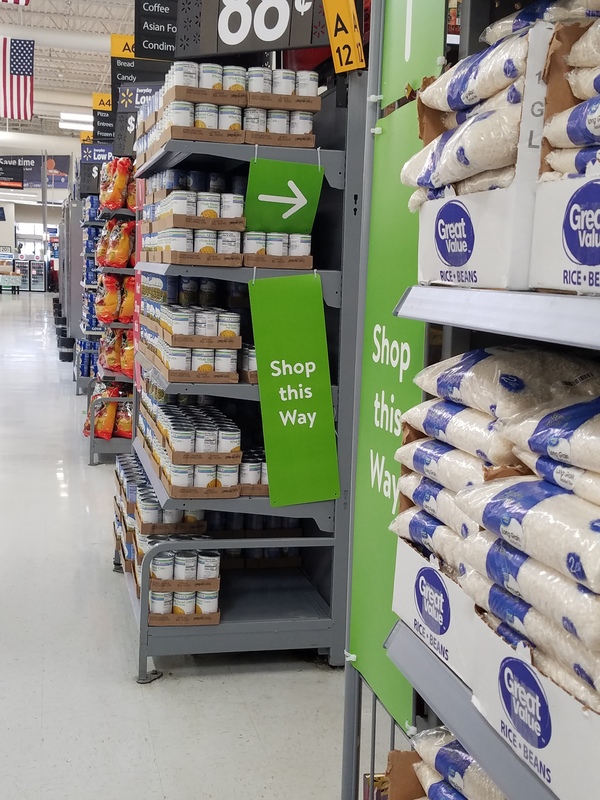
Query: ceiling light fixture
{"x":75,"y":126}
{"x":67,"y":117}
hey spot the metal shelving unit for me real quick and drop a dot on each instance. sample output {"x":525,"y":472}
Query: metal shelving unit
{"x":115,"y":445}
{"x":451,"y":701}
{"x":106,"y":374}
{"x":86,"y":332}
{"x":117,"y":270}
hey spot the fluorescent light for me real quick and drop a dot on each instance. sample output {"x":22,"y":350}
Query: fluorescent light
{"x":76,"y":117}
{"x":75,"y":126}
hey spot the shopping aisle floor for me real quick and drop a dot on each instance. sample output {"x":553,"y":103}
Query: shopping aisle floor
{"x":74,"y":725}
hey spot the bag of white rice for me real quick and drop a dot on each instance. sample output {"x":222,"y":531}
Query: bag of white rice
{"x":586,"y":51}
{"x":582,"y":482}
{"x":570,"y":434}
{"x":513,"y":96}
{"x":437,"y":501}
{"x":470,"y":430}
{"x":478,"y":76}
{"x":575,"y":127}
{"x":416,"y":525}
{"x":485,"y":142}
{"x":573,"y":160}
{"x":585,"y":83}
{"x":442,"y":751}
{"x":486,"y":181}
{"x":505,"y":381}
{"x":548,"y":523}
{"x":445,"y":464}
{"x":558,"y":11}
{"x":434,"y":785}
{"x":561,"y":599}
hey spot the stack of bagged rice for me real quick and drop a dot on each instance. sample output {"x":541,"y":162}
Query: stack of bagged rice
{"x":481,"y":102}
{"x":530,"y":553}
{"x":574,"y":134}
{"x":448,"y":772}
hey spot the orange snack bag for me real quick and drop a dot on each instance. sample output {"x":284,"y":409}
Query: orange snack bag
{"x":127,"y":354}
{"x":131,"y":195}
{"x":113,"y":191}
{"x":104,"y":419}
{"x":123,"y":421}
{"x":107,"y":174}
{"x":127,"y":299}
{"x":120,"y":244}
{"x":102,"y":245}
{"x":110,"y":350}
{"x":108,"y":298}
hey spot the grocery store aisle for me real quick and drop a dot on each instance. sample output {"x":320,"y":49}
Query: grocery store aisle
{"x":74,"y":723}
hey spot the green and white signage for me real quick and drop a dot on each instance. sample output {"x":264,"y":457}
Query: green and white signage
{"x":282,"y":197}
{"x":295,"y":389}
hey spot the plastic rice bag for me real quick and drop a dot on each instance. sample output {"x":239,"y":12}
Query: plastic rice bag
{"x":479,"y":76}
{"x":507,"y":97}
{"x":521,"y":616}
{"x":575,"y":127}
{"x":570,"y":434}
{"x":485,"y":142}
{"x":416,"y":525}
{"x":586,"y":51}
{"x":434,"y":785}
{"x":582,"y":482}
{"x":585,"y":83}
{"x":486,"y":181}
{"x":442,"y":751}
{"x":437,"y":501}
{"x":573,"y":160}
{"x":505,"y":381}
{"x":445,"y":464}
{"x":544,"y":521}
{"x":561,"y":675}
{"x":422,"y":195}
{"x":470,"y":430}
{"x":561,"y":11}
{"x":560,"y":599}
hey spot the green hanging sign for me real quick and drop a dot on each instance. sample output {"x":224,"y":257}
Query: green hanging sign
{"x":295,"y":389}
{"x":282,"y":197}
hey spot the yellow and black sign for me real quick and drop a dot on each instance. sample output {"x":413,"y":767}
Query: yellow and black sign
{"x":86,"y":137}
{"x":344,"y":35}
{"x":122,"y":45}
{"x":101,"y":101}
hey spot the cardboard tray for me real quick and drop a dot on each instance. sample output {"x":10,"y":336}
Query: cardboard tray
{"x":218,"y":97}
{"x":183,"y":620}
{"x":169,"y":528}
{"x":279,"y":139}
{"x":231,"y":260}
{"x":210,"y":342}
{"x":187,"y":376}
{"x":249,"y":377}
{"x":254,"y":490}
{"x":284,"y":102}
{"x":179,"y":457}
{"x":188,"y":134}
{"x":205,"y":585}
{"x":194,"y":493}
{"x":278,"y":262}
{"x":198,"y":223}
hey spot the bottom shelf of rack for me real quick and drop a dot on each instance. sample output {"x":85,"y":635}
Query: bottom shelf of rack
{"x":271,"y":609}
{"x":451,"y":700}
{"x":114,"y":446}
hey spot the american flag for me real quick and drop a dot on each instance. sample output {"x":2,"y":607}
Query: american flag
{"x":16,"y":78}
{"x":16,"y":2}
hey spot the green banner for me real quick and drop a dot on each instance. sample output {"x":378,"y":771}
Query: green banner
{"x":393,"y":353}
{"x":288,"y":320}
{"x":282,"y":197}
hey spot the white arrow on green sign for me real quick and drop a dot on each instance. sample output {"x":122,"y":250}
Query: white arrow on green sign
{"x":282,"y":196}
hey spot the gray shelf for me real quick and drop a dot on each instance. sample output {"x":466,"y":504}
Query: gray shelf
{"x":89,"y":333}
{"x":92,"y":223}
{"x":131,"y":590}
{"x":117,"y":270}
{"x":107,"y":374}
{"x":322,"y":513}
{"x":556,"y":318}
{"x":90,"y":287}
{"x":451,"y":701}
{"x":177,"y":151}
{"x":330,"y":279}
{"x":111,"y":447}
{"x":119,"y":325}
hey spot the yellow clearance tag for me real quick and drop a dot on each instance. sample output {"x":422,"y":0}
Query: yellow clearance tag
{"x":86,"y":137}
{"x":122,"y":45}
{"x":344,"y":35}
{"x":101,"y":101}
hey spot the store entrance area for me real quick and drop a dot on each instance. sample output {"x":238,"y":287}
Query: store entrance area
{"x":75,"y":724}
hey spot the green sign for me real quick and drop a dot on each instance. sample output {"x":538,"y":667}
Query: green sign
{"x":295,"y":389}
{"x":393,"y":351}
{"x":282,"y":197}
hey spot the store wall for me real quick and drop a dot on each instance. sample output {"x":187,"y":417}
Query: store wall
{"x":7,"y":228}
{"x":34,"y":214}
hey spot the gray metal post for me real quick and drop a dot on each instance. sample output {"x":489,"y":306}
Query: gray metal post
{"x":351,"y":749}
{"x":475,"y":17}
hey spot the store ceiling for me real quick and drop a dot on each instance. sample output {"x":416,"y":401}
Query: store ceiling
{"x":65,"y":25}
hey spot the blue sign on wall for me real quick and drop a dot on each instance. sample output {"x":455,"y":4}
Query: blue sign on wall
{"x":96,"y":153}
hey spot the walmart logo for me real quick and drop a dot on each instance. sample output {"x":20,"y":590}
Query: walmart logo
{"x":127,"y":98}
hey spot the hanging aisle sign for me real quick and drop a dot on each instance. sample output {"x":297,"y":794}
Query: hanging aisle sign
{"x":344,"y":35}
{"x":104,"y":118}
{"x":282,"y":197}
{"x":126,"y":69}
{"x":156,"y":29}
{"x":288,"y":320}
{"x":131,"y":98}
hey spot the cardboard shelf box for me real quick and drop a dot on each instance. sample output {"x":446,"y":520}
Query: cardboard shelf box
{"x":491,"y":246}
{"x":204,"y":585}
{"x":169,"y":528}
{"x":198,"y":223}
{"x":284,"y":102}
{"x":261,"y":261}
{"x":209,"y":342}
{"x":250,"y":377}
{"x":189,"y":134}
{"x":193,"y":94}
{"x":179,"y":457}
{"x":566,"y":236}
{"x":254,"y":490}
{"x":167,"y":256}
{"x":168,"y":620}
{"x":187,"y":376}
{"x":280,"y":139}
{"x":195,"y":493}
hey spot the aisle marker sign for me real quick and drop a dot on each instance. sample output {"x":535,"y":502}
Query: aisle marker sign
{"x":288,"y":320}
{"x":101,"y":101}
{"x":344,"y":35}
{"x":282,"y":197}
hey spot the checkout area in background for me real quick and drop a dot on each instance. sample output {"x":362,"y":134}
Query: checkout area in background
{"x":21,"y":273}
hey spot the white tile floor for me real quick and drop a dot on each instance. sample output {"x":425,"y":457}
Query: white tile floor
{"x":74,"y":725}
